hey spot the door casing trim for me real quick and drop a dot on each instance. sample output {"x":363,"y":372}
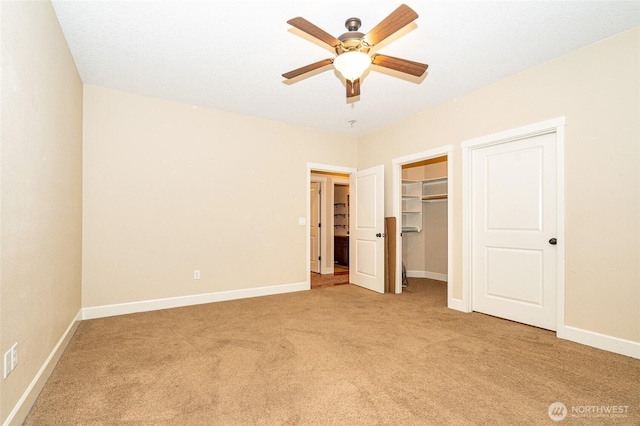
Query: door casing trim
{"x":397,"y":164}
{"x":319,"y":168}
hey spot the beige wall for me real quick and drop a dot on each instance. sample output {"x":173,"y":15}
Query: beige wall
{"x":41,"y":204}
{"x":169,"y":188}
{"x":597,"y":89}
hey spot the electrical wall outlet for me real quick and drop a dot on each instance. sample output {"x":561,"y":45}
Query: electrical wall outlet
{"x":196,"y":274}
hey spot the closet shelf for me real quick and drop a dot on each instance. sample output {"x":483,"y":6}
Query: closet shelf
{"x":414,"y":194}
{"x":434,"y":197}
{"x":410,"y":229}
{"x":429,"y":180}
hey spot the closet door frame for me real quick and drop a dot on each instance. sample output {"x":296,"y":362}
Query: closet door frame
{"x":397,"y":163}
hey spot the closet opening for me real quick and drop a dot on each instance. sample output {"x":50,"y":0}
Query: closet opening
{"x":422,"y":208}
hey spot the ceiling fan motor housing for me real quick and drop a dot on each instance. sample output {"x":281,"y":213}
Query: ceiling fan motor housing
{"x":353,"y":39}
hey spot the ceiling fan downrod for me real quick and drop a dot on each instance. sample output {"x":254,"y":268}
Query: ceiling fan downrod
{"x":353,"y":24}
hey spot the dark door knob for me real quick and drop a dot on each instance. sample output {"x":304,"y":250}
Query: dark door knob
{"x":378,"y":235}
{"x":553,"y":241}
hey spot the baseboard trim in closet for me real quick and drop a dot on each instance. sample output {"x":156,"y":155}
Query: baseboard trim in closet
{"x":426,"y":274}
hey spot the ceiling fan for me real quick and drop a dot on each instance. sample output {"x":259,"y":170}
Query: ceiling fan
{"x":352,"y":48}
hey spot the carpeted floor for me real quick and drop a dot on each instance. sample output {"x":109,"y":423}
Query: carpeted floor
{"x":337,"y":355}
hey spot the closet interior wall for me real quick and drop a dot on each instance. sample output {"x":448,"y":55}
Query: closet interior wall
{"x":424,"y":253}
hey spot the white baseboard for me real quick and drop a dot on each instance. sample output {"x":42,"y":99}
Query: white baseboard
{"x":457,"y":304}
{"x":198,"y":299}
{"x":326,"y":270}
{"x":28,"y":398}
{"x":426,"y":274}
{"x":600,"y":341}
{"x":585,"y":337}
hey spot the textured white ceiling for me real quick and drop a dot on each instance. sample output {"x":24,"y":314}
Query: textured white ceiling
{"x":230,"y":55}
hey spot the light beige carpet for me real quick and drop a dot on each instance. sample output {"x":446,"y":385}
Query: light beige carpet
{"x":337,"y":355}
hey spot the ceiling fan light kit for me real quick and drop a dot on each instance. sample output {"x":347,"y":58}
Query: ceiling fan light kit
{"x":352,"y":48}
{"x":352,"y":64}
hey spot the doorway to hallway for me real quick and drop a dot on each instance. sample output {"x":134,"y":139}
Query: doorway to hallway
{"x":366,"y":226}
{"x":331,"y":264}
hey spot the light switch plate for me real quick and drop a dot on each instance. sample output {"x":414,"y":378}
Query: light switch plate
{"x":7,"y":364}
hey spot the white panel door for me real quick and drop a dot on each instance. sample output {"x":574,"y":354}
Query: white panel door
{"x":366,"y":229}
{"x":314,"y":227}
{"x":514,"y":220}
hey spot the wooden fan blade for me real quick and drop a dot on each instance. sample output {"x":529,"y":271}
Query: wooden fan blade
{"x":306,"y":26}
{"x":307,"y":68}
{"x":399,"y":18}
{"x":402,"y":65}
{"x":353,"y":89}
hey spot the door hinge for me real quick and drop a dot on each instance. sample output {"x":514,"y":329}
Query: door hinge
{"x":319,"y":257}
{"x":319,"y":225}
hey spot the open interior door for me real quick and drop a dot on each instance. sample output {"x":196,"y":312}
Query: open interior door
{"x":314,"y":227}
{"x":366,"y":229}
